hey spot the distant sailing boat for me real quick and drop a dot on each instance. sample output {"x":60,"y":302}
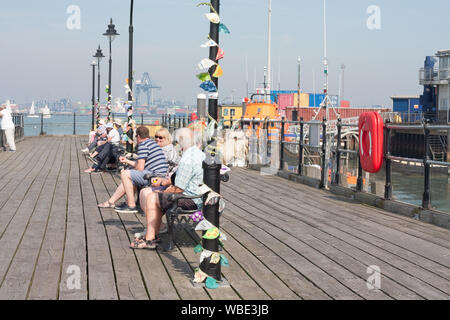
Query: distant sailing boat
{"x":46,"y":112}
{"x":32,"y":113}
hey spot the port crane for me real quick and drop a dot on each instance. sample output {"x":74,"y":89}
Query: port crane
{"x":145,"y":85}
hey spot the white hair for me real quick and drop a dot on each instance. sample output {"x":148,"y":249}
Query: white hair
{"x":185,"y":138}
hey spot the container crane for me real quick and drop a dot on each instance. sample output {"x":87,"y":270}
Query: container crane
{"x":145,"y":85}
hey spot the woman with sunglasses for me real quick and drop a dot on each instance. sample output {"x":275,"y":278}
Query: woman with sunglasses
{"x":164,"y":139}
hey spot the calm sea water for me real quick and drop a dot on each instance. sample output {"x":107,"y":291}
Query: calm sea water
{"x":64,"y":124}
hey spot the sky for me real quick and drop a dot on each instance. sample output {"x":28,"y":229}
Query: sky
{"x":41,"y":58}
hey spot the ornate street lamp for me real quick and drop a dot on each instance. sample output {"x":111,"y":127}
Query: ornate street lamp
{"x":99,"y":55}
{"x":111,"y":33}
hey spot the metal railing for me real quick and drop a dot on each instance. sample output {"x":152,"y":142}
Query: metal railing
{"x":331,"y":143}
{"x":173,"y":122}
{"x":427,"y":76}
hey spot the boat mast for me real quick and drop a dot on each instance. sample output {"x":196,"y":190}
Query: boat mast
{"x":269,"y":47}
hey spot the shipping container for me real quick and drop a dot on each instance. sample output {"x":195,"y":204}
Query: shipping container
{"x":316,"y":99}
{"x":285,"y":100}
{"x":304,"y":99}
{"x":345,"y":104}
{"x":308,"y":113}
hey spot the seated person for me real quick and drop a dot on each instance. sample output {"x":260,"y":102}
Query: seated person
{"x":118,"y":125}
{"x":188,"y":178}
{"x":106,"y":150}
{"x":98,"y":133}
{"x":164,"y":139}
{"x":150,"y":160}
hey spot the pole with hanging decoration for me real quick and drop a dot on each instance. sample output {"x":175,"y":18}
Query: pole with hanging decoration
{"x":209,"y":271}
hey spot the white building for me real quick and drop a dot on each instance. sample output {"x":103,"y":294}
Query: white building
{"x":439,"y":78}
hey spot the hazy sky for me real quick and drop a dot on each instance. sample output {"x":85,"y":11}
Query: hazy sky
{"x":41,"y":58}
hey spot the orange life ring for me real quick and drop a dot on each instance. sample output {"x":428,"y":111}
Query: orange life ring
{"x":370,"y":130}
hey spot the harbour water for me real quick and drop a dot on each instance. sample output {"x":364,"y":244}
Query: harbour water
{"x":407,"y":184}
{"x":60,"y":124}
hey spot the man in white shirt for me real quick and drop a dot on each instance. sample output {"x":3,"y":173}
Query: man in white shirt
{"x":8,"y":126}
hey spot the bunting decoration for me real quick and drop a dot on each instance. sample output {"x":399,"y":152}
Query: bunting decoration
{"x":223,"y":28}
{"x":220,"y":54}
{"x":210,"y":262}
{"x":209,"y":43}
{"x":213,"y":17}
{"x":209,"y":86}
{"x":218,"y":73}
{"x":204,"y":76}
{"x":206,"y":64}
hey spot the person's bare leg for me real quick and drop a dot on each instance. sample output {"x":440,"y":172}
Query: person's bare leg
{"x":129,"y":187}
{"x":143,"y":197}
{"x":153,"y":215}
{"x":119,"y":193}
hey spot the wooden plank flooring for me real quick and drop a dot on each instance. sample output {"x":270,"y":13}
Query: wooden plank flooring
{"x":285,"y":240}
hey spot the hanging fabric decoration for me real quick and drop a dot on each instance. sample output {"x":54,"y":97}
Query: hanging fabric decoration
{"x":222,"y":237}
{"x":224,"y":169}
{"x":218,"y":73}
{"x":206,"y":64}
{"x":209,"y":5}
{"x":197,"y":217}
{"x":212,"y":234}
{"x":213,"y":198}
{"x":199,"y":276}
{"x":204,"y":76}
{"x":209,"y":86}
{"x":205,"y":254}
{"x":223,"y":28}
{"x":213,"y":17}
{"x":198,"y":248}
{"x":204,"y":225}
{"x":213,"y":95}
{"x":224,"y":261}
{"x":220,"y":54}
{"x":215,"y":258}
{"x":211,"y":283}
{"x":209,"y":43}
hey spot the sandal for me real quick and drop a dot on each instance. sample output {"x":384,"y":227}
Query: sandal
{"x":143,"y":244}
{"x":106,"y":204}
{"x":141,"y":236}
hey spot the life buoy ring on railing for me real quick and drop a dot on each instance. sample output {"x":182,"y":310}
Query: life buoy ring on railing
{"x":370,"y":130}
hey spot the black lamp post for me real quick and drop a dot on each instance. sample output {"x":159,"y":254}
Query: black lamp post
{"x":99,"y":55}
{"x":130,"y":74}
{"x":111,"y":33}
{"x":93,"y":64}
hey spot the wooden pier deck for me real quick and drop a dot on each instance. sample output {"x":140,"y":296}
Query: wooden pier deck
{"x":285,"y":240}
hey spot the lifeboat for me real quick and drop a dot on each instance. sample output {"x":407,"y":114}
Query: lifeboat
{"x":265,"y":111}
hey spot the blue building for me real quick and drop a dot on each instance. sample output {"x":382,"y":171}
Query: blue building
{"x":408,"y":107}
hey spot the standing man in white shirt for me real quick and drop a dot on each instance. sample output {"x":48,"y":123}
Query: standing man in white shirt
{"x":8,"y":126}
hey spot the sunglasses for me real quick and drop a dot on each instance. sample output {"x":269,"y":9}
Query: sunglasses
{"x":159,"y":137}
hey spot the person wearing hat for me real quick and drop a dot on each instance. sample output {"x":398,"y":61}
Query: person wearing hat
{"x":99,"y":136}
{"x":105,"y":150}
{"x":118,"y":124}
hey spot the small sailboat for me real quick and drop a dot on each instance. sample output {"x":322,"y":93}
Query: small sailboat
{"x":46,"y":112}
{"x":32,"y":112}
